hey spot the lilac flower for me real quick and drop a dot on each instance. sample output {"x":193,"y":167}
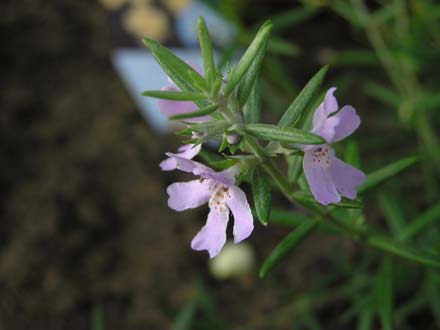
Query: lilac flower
{"x":328,"y":176}
{"x":222,"y":195}
{"x":188,"y":151}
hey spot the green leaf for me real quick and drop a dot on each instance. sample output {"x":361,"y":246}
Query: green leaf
{"x":304,"y":98}
{"x":223,"y":164}
{"x":433,"y":294}
{"x":251,"y":110}
{"x":292,"y":17}
{"x":290,"y":242}
{"x":245,"y":62}
{"x":382,"y":93}
{"x":278,"y":46}
{"x":375,"y":178}
{"x":352,"y":155}
{"x":97,"y":318}
{"x":393,"y":213}
{"x":286,"y":134}
{"x":294,"y":163}
{"x":262,"y":195}
{"x":365,"y":320}
{"x":309,"y":199}
{"x":294,"y":219}
{"x":175,"y":96}
{"x":207,"y":51}
{"x":185,"y":77}
{"x":199,"y":113}
{"x":403,"y":250}
{"x":248,"y":80}
{"x":384,"y":294}
{"x":419,"y":223}
{"x":185,"y":317}
{"x":211,"y":127}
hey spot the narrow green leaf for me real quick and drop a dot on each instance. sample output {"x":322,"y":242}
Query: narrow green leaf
{"x":294,"y":166}
{"x":419,"y":223}
{"x":97,"y":318}
{"x":290,"y":242}
{"x":304,"y":98}
{"x":262,"y":195}
{"x":375,"y":178}
{"x":185,"y":317}
{"x":353,"y":57}
{"x":365,"y":320}
{"x":207,"y":51}
{"x":433,"y":294}
{"x":248,"y":80}
{"x":199,"y":113}
{"x":292,"y":17}
{"x":251,"y":110}
{"x":384,"y":294}
{"x":286,"y":134}
{"x":382,"y":93}
{"x":352,"y":154}
{"x":393,"y":213}
{"x":403,"y":251}
{"x":211,"y":127}
{"x":242,"y":66}
{"x":278,"y":46}
{"x":185,"y":77}
{"x":294,"y":219}
{"x":175,"y":96}
{"x":309,"y":199}
{"x":223,"y":164}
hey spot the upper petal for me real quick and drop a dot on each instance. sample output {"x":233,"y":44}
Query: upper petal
{"x":188,"y":195}
{"x":212,"y":236}
{"x":346,"y":178}
{"x":330,"y":102}
{"x":349,"y":121}
{"x":327,"y":128}
{"x":327,"y":107}
{"x":168,"y":164}
{"x":190,"y":166}
{"x":189,"y":151}
{"x":320,"y":180}
{"x":243,"y":220}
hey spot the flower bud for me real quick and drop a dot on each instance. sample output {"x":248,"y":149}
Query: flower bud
{"x":235,"y":260}
{"x":233,"y":138}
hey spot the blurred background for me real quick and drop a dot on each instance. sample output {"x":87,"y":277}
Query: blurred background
{"x":86,"y":238}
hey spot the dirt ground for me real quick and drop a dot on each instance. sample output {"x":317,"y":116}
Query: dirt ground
{"x":84,"y":221}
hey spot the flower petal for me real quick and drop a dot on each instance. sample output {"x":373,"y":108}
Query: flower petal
{"x":212,"y":236}
{"x":188,"y":195}
{"x":346,"y":178}
{"x":327,"y":128}
{"x":243,"y":220}
{"x":187,"y":151}
{"x":349,"y":121}
{"x":189,"y":166}
{"x":327,"y":107}
{"x":168,"y":164}
{"x":320,"y":181}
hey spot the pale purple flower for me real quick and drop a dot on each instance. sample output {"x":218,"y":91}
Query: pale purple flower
{"x":328,"y":176}
{"x":218,"y":189}
{"x":171,"y":108}
{"x":188,"y":151}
